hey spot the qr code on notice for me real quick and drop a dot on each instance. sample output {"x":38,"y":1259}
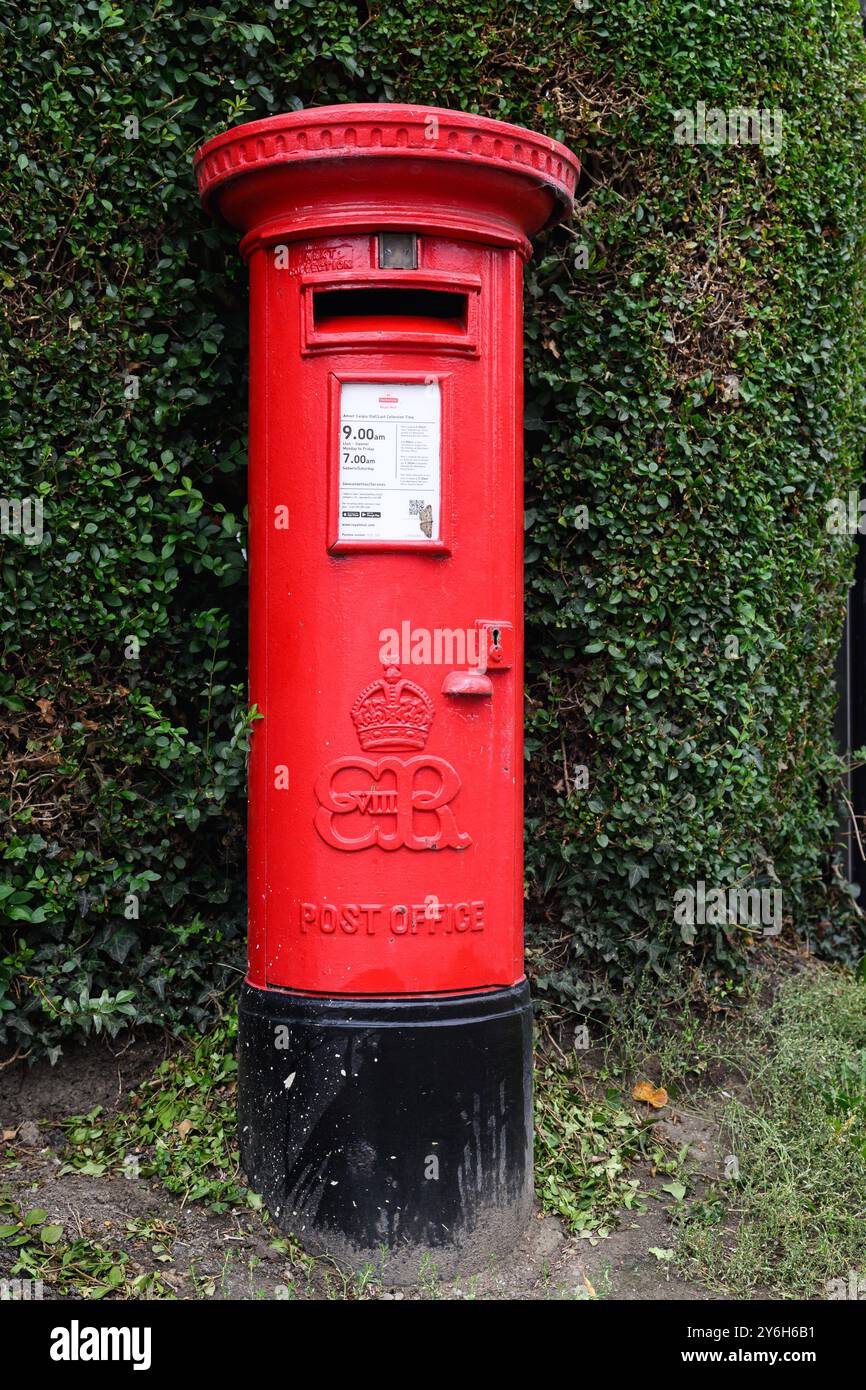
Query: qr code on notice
{"x":416,"y":506}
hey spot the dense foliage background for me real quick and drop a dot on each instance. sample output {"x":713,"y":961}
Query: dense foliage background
{"x":695,"y":369}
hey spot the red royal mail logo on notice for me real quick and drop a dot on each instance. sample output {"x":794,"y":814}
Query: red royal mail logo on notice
{"x":389,"y":400}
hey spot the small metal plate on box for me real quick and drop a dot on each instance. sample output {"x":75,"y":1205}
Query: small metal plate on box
{"x":496,"y":644}
{"x":389,"y":451}
{"x":398,"y":251}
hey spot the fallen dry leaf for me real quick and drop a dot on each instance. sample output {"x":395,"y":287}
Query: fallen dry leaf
{"x":46,"y":709}
{"x":656,"y":1097}
{"x":184,"y":1128}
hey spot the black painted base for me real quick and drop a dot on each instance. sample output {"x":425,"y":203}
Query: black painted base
{"x":390,"y":1132}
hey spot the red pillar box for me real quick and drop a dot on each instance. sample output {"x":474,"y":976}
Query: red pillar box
{"x":385,"y":1084}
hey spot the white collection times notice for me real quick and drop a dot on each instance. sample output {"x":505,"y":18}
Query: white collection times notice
{"x":389,"y":461}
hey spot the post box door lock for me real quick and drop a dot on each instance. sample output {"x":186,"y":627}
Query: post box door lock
{"x":495,"y":644}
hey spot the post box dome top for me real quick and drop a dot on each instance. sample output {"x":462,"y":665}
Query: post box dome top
{"x":379,"y":166}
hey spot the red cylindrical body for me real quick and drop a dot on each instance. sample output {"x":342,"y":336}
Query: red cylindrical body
{"x":355,"y":887}
{"x":389,"y":862}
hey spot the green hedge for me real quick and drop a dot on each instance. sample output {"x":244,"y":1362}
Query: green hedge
{"x":695,"y":365}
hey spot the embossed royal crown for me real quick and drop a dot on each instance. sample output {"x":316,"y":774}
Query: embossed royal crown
{"x":392,"y":713}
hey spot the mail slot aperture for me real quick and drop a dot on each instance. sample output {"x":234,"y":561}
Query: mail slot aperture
{"x":331,"y":307}
{"x":403,"y":308}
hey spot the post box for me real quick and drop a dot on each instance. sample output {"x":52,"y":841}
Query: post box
{"x":385,"y":1023}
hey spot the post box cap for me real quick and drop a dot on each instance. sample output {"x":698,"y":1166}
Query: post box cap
{"x":357,"y":167}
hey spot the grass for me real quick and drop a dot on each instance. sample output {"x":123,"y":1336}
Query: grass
{"x":676,"y":1032}
{"x":793,"y":1216}
{"x":786,"y":1083}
